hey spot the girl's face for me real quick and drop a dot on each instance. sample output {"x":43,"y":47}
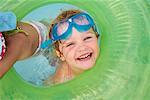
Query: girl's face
{"x":80,"y":50}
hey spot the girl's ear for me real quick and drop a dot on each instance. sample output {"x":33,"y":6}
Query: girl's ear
{"x":60,"y":55}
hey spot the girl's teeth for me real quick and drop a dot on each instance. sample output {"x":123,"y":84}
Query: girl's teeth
{"x":85,"y":56}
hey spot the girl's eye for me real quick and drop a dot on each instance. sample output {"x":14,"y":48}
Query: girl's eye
{"x":70,"y":44}
{"x":87,"y":38}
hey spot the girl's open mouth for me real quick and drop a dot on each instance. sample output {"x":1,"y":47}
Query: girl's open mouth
{"x":85,"y":57}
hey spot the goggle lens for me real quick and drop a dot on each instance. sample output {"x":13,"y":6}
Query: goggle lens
{"x":62,"y":28}
{"x":81,"y":20}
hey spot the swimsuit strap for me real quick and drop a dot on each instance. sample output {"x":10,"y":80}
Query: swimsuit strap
{"x":17,"y":30}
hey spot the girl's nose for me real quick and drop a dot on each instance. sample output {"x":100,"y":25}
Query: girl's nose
{"x":82,"y":48}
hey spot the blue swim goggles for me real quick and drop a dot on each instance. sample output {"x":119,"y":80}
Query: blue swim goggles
{"x":62,"y":30}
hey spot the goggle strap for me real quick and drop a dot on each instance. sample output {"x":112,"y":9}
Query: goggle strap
{"x":46,"y":43}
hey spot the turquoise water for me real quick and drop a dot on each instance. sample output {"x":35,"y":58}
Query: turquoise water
{"x":35,"y":69}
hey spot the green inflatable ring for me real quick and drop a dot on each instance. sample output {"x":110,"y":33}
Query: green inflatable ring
{"x":123,"y":69}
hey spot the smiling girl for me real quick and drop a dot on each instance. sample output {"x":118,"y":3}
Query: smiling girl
{"x":75,"y":38}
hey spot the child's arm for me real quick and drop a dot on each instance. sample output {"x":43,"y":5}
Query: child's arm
{"x":18,"y":47}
